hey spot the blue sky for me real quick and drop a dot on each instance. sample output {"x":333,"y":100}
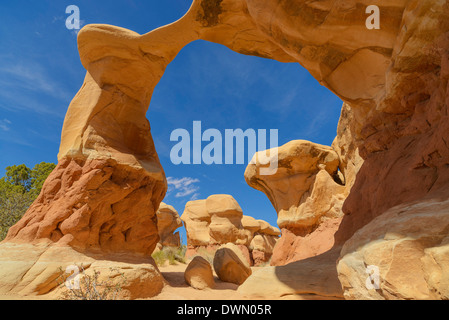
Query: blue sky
{"x":40,"y":73}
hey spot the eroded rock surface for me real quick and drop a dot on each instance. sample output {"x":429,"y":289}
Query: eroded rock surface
{"x":41,"y":268}
{"x":303,"y":190}
{"x":407,"y":250}
{"x":199,"y":274}
{"x":393,"y":82}
{"x":219,"y":220}
{"x":230,"y":265}
{"x":307,"y":192}
{"x":312,"y":278}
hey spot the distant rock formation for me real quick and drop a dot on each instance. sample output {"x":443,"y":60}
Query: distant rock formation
{"x":391,"y":141}
{"x":219,"y":220}
{"x":308,"y":190}
{"x":168,"y":221}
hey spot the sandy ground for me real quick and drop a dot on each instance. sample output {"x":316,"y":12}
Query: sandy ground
{"x":178,"y":289}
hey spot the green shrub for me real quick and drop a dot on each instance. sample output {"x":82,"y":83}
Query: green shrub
{"x":18,"y":190}
{"x":171,"y":255}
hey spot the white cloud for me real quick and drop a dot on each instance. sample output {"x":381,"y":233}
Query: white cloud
{"x":183,"y":187}
{"x":32,"y":78}
{"x":23,"y":84}
{"x":4,"y":124}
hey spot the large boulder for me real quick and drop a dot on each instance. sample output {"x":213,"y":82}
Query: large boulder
{"x":402,"y":254}
{"x":42,"y":268}
{"x":214,"y":221}
{"x":199,"y":274}
{"x":230,"y":265}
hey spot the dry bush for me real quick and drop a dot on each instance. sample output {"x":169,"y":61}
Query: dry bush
{"x":90,"y":287}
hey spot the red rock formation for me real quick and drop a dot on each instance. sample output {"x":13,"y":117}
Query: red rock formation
{"x":94,"y":205}
{"x":291,"y":247}
{"x":404,"y":141}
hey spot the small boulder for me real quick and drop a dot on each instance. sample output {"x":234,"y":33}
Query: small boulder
{"x":199,"y":274}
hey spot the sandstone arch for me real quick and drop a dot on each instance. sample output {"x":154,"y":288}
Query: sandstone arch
{"x":393,"y":81}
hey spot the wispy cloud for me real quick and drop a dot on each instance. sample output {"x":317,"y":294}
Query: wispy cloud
{"x":319,"y":120}
{"x":32,"y":77}
{"x":13,"y":102}
{"x":15,"y":139}
{"x":4,"y":124}
{"x":183,"y":187}
{"x":27,"y":86}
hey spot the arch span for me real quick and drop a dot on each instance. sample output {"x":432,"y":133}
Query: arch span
{"x":393,"y":81}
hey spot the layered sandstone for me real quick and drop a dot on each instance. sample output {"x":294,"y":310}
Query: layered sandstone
{"x":402,"y":254}
{"x":225,"y":220}
{"x":312,"y":278}
{"x":307,"y":192}
{"x":394,"y":82}
{"x":264,"y":238}
{"x":30,"y":269}
{"x":230,"y":265}
{"x":214,"y":221}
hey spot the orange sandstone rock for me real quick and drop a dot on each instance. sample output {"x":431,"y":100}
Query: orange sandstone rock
{"x":219,"y":220}
{"x":168,"y":221}
{"x":230,"y":265}
{"x":391,"y":147}
{"x":199,"y":274}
